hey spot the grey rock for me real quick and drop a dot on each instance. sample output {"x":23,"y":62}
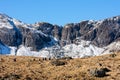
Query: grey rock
{"x":100,"y":33}
{"x":33,"y":39}
{"x":98,"y":72}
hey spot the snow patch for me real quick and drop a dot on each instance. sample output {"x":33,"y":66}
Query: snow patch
{"x":84,"y":49}
{"x":27,"y":51}
{"x":13,"y":50}
{"x":66,"y":26}
{"x":113,"y":47}
{"x":91,"y":21}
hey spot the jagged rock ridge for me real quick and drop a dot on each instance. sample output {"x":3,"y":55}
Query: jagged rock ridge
{"x":101,"y":33}
{"x":44,"y":39}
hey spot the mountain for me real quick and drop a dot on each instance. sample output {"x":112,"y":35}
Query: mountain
{"x":15,"y":33}
{"x":42,"y":39}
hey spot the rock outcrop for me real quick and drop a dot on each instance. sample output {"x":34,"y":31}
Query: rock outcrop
{"x":49,"y":29}
{"x":100,"y":33}
{"x":33,"y":38}
{"x":15,"y":33}
{"x":87,"y":38}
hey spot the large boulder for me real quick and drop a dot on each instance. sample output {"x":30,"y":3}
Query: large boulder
{"x":98,"y":72}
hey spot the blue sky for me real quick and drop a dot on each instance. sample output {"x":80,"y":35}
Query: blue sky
{"x":59,"y":11}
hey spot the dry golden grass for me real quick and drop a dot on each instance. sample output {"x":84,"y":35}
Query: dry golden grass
{"x":32,"y":68}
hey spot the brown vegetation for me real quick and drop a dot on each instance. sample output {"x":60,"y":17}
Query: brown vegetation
{"x":32,"y":68}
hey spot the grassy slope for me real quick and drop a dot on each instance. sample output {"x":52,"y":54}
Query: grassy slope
{"x":31,"y":68}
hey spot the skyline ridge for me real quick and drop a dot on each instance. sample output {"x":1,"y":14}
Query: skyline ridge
{"x":1,"y":13}
{"x":59,"y":12}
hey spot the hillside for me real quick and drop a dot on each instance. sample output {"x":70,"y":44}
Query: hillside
{"x":34,"y":68}
{"x":42,"y":39}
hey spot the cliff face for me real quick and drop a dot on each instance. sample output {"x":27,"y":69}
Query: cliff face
{"x":42,"y":35}
{"x":15,"y":33}
{"x":107,"y":32}
{"x":100,"y":33}
{"x":33,"y":38}
{"x":49,"y":29}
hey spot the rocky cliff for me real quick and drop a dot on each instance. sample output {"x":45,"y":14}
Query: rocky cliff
{"x":101,"y":33}
{"x":88,"y":36}
{"x":16,"y":33}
